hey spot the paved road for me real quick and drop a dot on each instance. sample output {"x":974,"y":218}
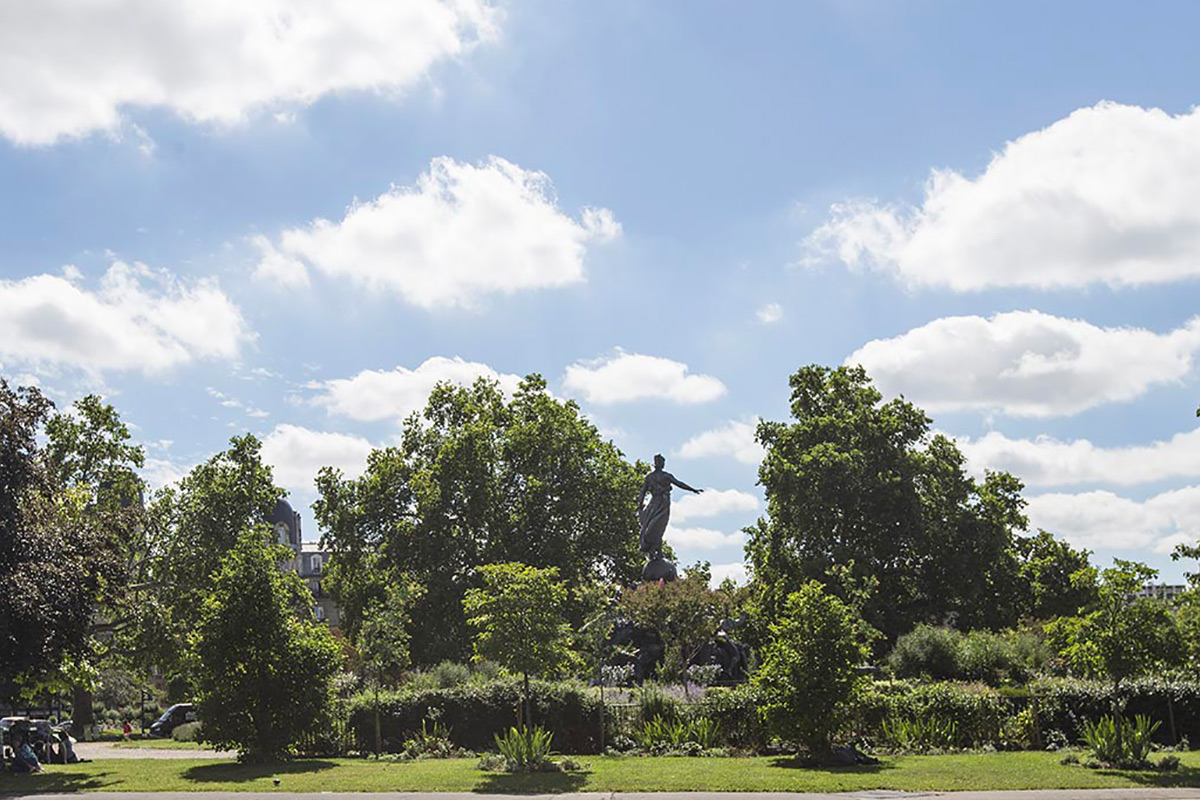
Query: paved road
{"x":98,"y":751}
{"x":1048,"y":794}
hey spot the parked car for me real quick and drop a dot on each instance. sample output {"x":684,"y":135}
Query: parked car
{"x":172,"y":718}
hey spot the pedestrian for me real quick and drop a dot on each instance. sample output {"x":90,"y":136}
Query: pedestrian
{"x":24,"y":759}
{"x":126,"y":730}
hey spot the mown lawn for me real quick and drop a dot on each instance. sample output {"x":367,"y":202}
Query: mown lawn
{"x":600,"y":773}
{"x":160,"y":744}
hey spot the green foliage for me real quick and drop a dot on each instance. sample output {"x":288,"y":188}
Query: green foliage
{"x":383,"y":637}
{"x":734,"y":710}
{"x":927,"y":652}
{"x":264,"y":667}
{"x":653,"y":702}
{"x":525,"y":749}
{"x":1120,"y":742}
{"x":1046,"y":565}
{"x":808,"y":675}
{"x":1121,"y":635}
{"x":519,"y":621}
{"x":858,"y":492}
{"x":474,"y":712}
{"x":920,"y":734}
{"x":658,"y":733}
{"x":478,"y":479}
{"x":431,"y":741}
{"x":188,"y":732}
{"x":56,"y":557}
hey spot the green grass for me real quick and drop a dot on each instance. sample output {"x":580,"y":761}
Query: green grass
{"x":601,"y":774}
{"x":161,"y":744}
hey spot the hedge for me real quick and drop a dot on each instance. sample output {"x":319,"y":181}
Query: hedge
{"x":475,"y":713}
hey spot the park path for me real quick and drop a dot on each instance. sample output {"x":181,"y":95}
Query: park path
{"x":100,"y":751}
{"x":1040,"y":794}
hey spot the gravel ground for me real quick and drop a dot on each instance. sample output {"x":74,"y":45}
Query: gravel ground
{"x":97,"y":751}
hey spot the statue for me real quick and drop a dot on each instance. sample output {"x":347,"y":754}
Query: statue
{"x":653,"y":517}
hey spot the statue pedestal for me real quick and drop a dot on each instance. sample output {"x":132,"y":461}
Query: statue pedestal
{"x":658,"y":569}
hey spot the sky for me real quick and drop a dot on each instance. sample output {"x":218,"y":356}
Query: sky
{"x":293,"y":218}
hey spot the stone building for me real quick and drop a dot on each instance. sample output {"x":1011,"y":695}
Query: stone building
{"x":308,"y":560}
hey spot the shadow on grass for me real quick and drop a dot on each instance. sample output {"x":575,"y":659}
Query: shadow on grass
{"x":1183,"y":776}
{"x":226,"y":772}
{"x":795,"y":762}
{"x":531,"y":782}
{"x":53,"y":782}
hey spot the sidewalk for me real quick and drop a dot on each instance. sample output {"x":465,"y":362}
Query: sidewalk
{"x":1038,"y":794}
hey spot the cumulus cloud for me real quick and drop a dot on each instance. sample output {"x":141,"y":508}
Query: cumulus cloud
{"x":295,"y":455}
{"x":626,"y":377}
{"x":734,"y":440}
{"x":1106,"y":195}
{"x":1101,"y":519}
{"x":373,"y":395}
{"x":711,"y":503}
{"x":735,"y":572}
{"x":461,"y":233}
{"x":1026,"y":363}
{"x":770,"y":313}
{"x":72,"y":68}
{"x":138,"y":319}
{"x":1046,"y":461}
{"x":161,"y":472}
{"x":700,"y":538}
{"x":276,"y":268}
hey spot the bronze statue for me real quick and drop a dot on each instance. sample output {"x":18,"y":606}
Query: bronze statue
{"x":654,"y":515}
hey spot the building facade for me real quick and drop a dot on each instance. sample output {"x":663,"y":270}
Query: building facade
{"x":308,"y":561}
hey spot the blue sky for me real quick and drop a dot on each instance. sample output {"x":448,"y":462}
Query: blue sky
{"x":269,"y":218}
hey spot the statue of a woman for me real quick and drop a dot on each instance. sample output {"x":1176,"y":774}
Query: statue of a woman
{"x":654,"y":515}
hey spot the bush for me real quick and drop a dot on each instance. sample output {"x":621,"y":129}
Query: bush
{"x":474,"y":713}
{"x":187,"y":732}
{"x":659,"y":733}
{"x":734,"y":710}
{"x":655,"y":703}
{"x":1120,"y":742}
{"x":984,"y":656}
{"x":927,"y":652}
{"x":920,"y":734}
{"x":525,"y":749}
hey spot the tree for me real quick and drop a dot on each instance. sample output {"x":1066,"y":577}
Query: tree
{"x":520,"y":623}
{"x":1121,"y":635}
{"x":383,"y":643}
{"x":808,"y":674}
{"x":859,"y":493}
{"x":478,"y":479}
{"x":686,"y":614}
{"x":54,"y":559}
{"x":264,"y":667}
{"x":1045,"y":567}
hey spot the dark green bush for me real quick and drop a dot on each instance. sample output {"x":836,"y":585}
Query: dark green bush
{"x":927,"y":652}
{"x":1065,"y":704}
{"x":655,"y":703}
{"x":734,"y":709}
{"x":475,"y":712}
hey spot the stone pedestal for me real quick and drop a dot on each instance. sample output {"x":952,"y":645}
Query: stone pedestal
{"x":658,"y":569}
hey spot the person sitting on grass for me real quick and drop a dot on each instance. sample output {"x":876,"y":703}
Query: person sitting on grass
{"x":24,"y":759}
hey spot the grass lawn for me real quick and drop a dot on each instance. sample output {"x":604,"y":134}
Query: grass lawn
{"x":601,"y":773}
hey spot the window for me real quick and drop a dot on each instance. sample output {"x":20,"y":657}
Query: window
{"x":316,"y":563}
{"x":281,"y":530}
{"x":318,"y":612}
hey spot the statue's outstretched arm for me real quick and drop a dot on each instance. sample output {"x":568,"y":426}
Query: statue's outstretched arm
{"x":683,"y":485}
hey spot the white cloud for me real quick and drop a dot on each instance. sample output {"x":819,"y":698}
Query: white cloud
{"x":711,"y":503}
{"x":461,"y":233}
{"x":275,"y":268}
{"x":770,"y":313}
{"x":72,"y":68}
{"x":1106,"y":195}
{"x":373,"y":395}
{"x":295,"y":455}
{"x":160,"y":472}
{"x":1105,"y":520}
{"x":1026,"y":363}
{"x":700,"y":538}
{"x":735,"y":440}
{"x":735,"y":571}
{"x":138,"y":319}
{"x":1045,"y":461}
{"x":625,"y":377}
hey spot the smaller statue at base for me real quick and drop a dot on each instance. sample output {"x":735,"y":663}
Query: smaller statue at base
{"x":653,"y":518}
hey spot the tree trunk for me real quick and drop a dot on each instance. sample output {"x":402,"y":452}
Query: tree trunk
{"x":528,"y":722}
{"x":81,"y":712}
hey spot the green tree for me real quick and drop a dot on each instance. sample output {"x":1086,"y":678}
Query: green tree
{"x":478,"y":479}
{"x":519,"y":619}
{"x":55,"y":561}
{"x":1045,"y":567}
{"x":1121,"y":635}
{"x":383,"y":643}
{"x":808,"y":674}
{"x":859,"y":493}
{"x":264,"y":667}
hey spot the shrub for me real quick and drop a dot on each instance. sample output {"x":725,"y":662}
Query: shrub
{"x":920,"y":734}
{"x":187,"y":732}
{"x":655,"y":703}
{"x":927,"y":652}
{"x":674,"y":734}
{"x":735,"y":710}
{"x":985,"y":656}
{"x":448,"y":674}
{"x":525,"y":749}
{"x":475,"y":712}
{"x":1120,"y":742}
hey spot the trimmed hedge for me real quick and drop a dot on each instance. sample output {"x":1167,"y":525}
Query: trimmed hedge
{"x":475,"y":713}
{"x":1063,"y":704}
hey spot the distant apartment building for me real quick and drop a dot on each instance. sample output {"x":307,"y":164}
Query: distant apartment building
{"x":1162,"y":591}
{"x":308,"y":561}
